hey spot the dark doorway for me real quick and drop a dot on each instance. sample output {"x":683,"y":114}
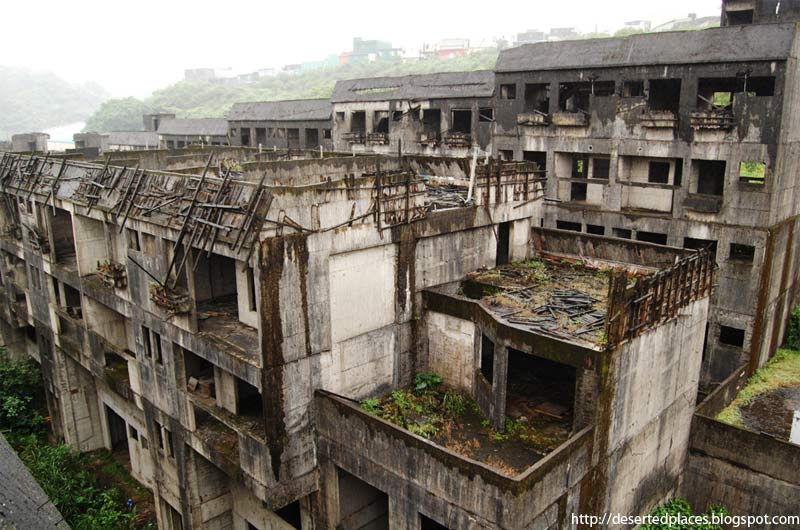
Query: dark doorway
{"x":462,"y":121}
{"x":540,"y":387}
{"x":487,"y":358}
{"x":361,"y":506}
{"x":291,"y":514}
{"x":503,"y":243}
{"x":117,"y":431}
{"x":312,"y":138}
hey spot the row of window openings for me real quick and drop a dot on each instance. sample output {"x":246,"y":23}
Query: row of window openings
{"x":737,"y":252}
{"x":661,"y":94}
{"x":263,"y":134}
{"x":460,"y":119}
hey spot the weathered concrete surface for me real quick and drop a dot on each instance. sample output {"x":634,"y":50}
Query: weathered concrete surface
{"x":23,"y":504}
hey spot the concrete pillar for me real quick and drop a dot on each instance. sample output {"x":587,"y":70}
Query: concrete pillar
{"x":500,"y":387}
{"x":402,"y":516}
{"x":225,"y":388}
{"x":80,"y":410}
{"x":587,"y":387}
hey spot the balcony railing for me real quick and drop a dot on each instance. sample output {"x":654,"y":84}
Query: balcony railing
{"x":714,"y":119}
{"x":659,"y":119}
{"x":378,"y":138}
{"x":354,"y":137}
{"x":456,"y":139}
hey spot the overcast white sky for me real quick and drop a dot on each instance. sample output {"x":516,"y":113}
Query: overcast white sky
{"x":132,"y":48}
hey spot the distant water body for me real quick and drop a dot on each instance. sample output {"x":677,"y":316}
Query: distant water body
{"x":61,"y":136}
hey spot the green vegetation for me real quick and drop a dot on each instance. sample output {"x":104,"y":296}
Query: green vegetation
{"x":680,"y":508}
{"x":783,"y":370}
{"x":64,"y":475}
{"x":32,"y":101}
{"x":793,"y":333}
{"x":118,"y":115}
{"x":209,"y":100}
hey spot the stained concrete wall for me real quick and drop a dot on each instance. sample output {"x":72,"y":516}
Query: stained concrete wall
{"x":747,"y":472}
{"x":451,"y":349}
{"x":651,"y":400}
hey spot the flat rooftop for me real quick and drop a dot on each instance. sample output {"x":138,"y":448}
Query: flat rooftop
{"x":769,"y":400}
{"x":562,"y":299}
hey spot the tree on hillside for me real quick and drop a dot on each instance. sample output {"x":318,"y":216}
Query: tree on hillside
{"x":118,"y":115}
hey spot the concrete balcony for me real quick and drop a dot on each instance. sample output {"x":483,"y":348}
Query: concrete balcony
{"x":533,"y":119}
{"x":570,"y":119}
{"x":659,"y":119}
{"x":700,"y":202}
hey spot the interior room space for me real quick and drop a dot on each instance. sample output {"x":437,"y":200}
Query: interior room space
{"x":541,"y":391}
{"x":361,"y":506}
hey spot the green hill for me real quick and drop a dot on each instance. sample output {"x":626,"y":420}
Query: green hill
{"x":32,"y":101}
{"x":208,"y":100}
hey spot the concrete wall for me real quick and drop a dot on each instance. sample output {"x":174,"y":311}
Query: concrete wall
{"x":649,"y":411}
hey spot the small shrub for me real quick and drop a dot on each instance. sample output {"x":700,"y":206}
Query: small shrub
{"x":681,"y":507}
{"x":371,"y":405}
{"x":426,"y":381}
{"x":454,"y":403}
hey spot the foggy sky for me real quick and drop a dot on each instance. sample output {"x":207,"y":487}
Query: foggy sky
{"x":132,"y":48}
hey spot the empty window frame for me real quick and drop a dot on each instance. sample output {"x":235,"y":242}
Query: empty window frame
{"x":574,"y":97}
{"x":326,"y":134}
{"x":578,"y":191}
{"x":632,"y":89}
{"x":567,"y":225}
{"x":601,"y":168}
{"x":759,"y":86}
{"x":751,"y":172}
{"x":658,"y":172}
{"x":742,"y":253}
{"x":487,"y":358}
{"x":506,"y":154}
{"x":717,"y":92}
{"x":664,"y":95}
{"x":486,"y":115}
{"x":739,"y":18}
{"x":537,"y":98}
{"x":651,"y":237}
{"x":710,"y":176}
{"x":598,"y":230}
{"x":358,"y":122}
{"x":701,"y":244}
{"x":397,"y":115}
{"x":462,"y":121}
{"x":623,"y":233}
{"x":580,"y":166}
{"x":432,"y":122}
{"x":731,"y":336}
{"x":381,"y":121}
{"x":251,"y":289}
{"x":508,"y":91}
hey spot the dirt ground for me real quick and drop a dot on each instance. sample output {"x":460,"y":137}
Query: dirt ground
{"x":772,"y":412}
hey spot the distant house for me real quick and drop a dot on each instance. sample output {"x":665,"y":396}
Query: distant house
{"x":177,"y":133}
{"x":294,"y":124}
{"x":29,"y":142}
{"x":436,"y":114}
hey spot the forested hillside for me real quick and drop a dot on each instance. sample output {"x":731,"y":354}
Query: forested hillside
{"x":31,"y":101}
{"x":209,"y":100}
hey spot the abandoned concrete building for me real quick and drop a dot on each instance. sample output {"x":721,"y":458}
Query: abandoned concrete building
{"x":579,"y":243}
{"x":214,"y":328}
{"x":293,"y":124}
{"x":176,"y":133}
{"x":29,"y":142}
{"x":685,"y":139}
{"x":436,"y":114}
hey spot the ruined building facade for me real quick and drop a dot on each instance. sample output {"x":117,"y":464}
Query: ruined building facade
{"x":217,"y":314}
